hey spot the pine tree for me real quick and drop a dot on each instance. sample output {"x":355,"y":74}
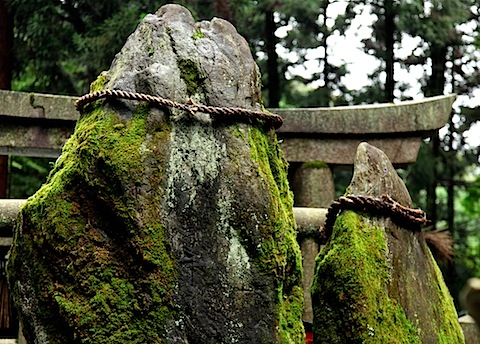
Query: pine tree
{"x":66,"y":52}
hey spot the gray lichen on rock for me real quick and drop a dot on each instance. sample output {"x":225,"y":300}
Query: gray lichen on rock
{"x":376,"y":282}
{"x":160,"y":226}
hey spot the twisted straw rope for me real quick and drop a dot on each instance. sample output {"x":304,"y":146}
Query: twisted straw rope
{"x":190,"y":107}
{"x":385,"y":206}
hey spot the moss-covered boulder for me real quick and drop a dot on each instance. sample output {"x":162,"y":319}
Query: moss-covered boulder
{"x":158,"y":225}
{"x":376,"y":282}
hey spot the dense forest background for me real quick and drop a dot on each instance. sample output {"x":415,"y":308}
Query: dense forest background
{"x":417,"y":48}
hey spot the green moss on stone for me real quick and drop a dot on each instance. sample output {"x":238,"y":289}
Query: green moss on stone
{"x":83,"y":226}
{"x":450,"y":330}
{"x":237,"y":132}
{"x":99,"y":83}
{"x":191,"y":75}
{"x":315,"y":164}
{"x":280,"y":250}
{"x":198,"y":35}
{"x":351,"y":301}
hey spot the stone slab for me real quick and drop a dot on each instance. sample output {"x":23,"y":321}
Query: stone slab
{"x":409,"y":116}
{"x":9,"y":209}
{"x":400,"y":151}
{"x":313,"y":185}
{"x":37,"y":105}
{"x":470,"y":298}
{"x":34,"y":124}
{"x":307,"y":219}
{"x":405,"y":117}
{"x":35,"y":137}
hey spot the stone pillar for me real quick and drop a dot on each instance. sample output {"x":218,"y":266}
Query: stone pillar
{"x":313,"y":187}
{"x":161,"y":225}
{"x":21,"y":338}
{"x":470,"y":329}
{"x":376,"y":280}
{"x":470,"y":298}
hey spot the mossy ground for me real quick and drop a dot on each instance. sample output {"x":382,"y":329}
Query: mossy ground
{"x":351,"y":301}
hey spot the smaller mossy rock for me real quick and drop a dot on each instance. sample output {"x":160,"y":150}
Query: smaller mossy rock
{"x":376,"y":282}
{"x":158,"y":225}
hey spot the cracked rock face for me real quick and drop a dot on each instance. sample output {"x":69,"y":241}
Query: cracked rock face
{"x":159,"y":226}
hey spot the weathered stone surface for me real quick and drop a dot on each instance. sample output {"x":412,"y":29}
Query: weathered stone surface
{"x":470,"y":298}
{"x":36,"y":105}
{"x":309,"y":248}
{"x":341,"y":150}
{"x":313,"y":185}
{"x":158,"y":226}
{"x":38,"y":125}
{"x":35,"y":124}
{"x":308,"y":220}
{"x":36,"y":137}
{"x":9,"y":209}
{"x":470,"y":329}
{"x":405,"y":117}
{"x":376,"y":282}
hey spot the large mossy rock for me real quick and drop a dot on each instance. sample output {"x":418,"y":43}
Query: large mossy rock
{"x":162,"y":226}
{"x":376,"y":282}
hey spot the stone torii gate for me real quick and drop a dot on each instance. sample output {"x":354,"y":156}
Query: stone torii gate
{"x":35,"y":124}
{"x":314,"y":139}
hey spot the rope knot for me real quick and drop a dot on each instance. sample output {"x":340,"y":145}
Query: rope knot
{"x":385,"y":206}
{"x":192,"y":107}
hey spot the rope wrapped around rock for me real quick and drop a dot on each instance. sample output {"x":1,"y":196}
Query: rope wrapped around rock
{"x":385,"y":206}
{"x":190,"y":107}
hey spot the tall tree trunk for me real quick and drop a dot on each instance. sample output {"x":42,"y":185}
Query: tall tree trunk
{"x":435,"y":86}
{"x":432,"y":186}
{"x":6,"y":42}
{"x":273,"y":85}
{"x":390,"y":30}
{"x":451,"y":170}
{"x":436,"y":83}
{"x":221,"y":9}
{"x":8,"y":316}
{"x":327,"y":68}
{"x":450,"y":182}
